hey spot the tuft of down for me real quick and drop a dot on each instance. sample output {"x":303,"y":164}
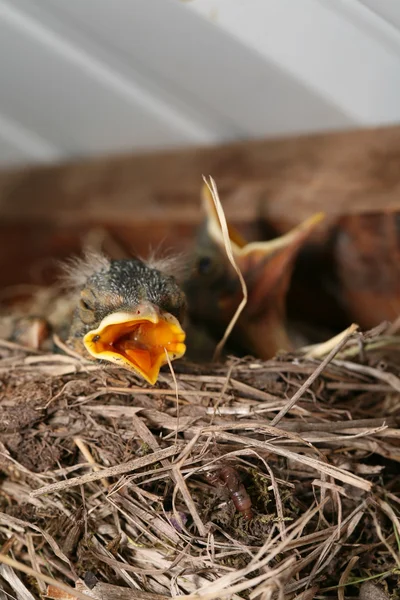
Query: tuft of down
{"x":77,"y":270}
{"x":174,"y":266}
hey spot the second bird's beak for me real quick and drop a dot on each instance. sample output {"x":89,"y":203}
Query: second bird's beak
{"x":267,"y":269}
{"x":141,"y":341}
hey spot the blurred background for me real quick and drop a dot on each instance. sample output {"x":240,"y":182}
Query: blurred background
{"x":87,"y":77}
{"x":111,"y":112}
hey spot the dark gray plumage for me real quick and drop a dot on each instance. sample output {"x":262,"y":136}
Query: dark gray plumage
{"x":128,"y":312}
{"x":120,"y":285}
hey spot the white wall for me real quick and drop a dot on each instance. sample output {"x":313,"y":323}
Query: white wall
{"x":82,"y":77}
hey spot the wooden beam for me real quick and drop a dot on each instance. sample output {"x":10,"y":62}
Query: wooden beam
{"x":287,"y":179}
{"x":142,"y":199}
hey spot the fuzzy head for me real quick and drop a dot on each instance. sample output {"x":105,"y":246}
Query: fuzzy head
{"x":128,"y":313}
{"x":214,"y":291}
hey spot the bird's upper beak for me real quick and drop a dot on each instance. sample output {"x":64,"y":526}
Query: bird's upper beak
{"x":139,"y":340}
{"x":248,"y":254}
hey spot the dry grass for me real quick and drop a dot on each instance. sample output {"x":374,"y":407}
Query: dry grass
{"x":104,"y":486}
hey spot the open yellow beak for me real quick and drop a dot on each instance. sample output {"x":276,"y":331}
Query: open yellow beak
{"x":249,"y":252}
{"x":139,"y":341}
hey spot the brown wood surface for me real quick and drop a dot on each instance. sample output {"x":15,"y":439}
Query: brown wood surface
{"x":337,"y":172}
{"x":46,"y":212}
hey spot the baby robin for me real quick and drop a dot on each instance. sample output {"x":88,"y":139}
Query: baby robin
{"x":214,"y":292}
{"x":31,"y":331}
{"x":128,"y":312}
{"x":131,"y":312}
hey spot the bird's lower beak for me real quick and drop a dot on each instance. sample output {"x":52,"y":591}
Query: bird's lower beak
{"x":140,"y":341}
{"x":267,"y":268}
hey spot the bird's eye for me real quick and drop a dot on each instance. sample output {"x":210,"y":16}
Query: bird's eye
{"x":204,"y":265}
{"x":85,"y":305}
{"x":86,"y":311}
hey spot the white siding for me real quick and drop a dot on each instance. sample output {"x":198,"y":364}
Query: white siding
{"x":82,"y":77}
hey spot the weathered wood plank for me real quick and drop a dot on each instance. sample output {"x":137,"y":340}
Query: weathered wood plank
{"x":285,"y":179}
{"x":46,"y":212}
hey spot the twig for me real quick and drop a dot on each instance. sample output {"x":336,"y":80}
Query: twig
{"x":319,"y":350}
{"x":181,"y":484}
{"x":313,"y":376}
{"x":336,"y":426}
{"x":14,"y":564}
{"x":345,"y":575}
{"x":314,"y":463}
{"x":87,"y":455}
{"x":34,"y":562}
{"x":229,"y":252}
{"x":131,"y":465}
{"x":389,"y":378}
{"x":176,"y":393}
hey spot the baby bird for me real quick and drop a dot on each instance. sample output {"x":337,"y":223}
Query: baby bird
{"x":30,"y":331}
{"x":128,"y":312}
{"x":214,"y":292}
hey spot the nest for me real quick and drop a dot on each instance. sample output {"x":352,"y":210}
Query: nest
{"x":114,"y":489}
